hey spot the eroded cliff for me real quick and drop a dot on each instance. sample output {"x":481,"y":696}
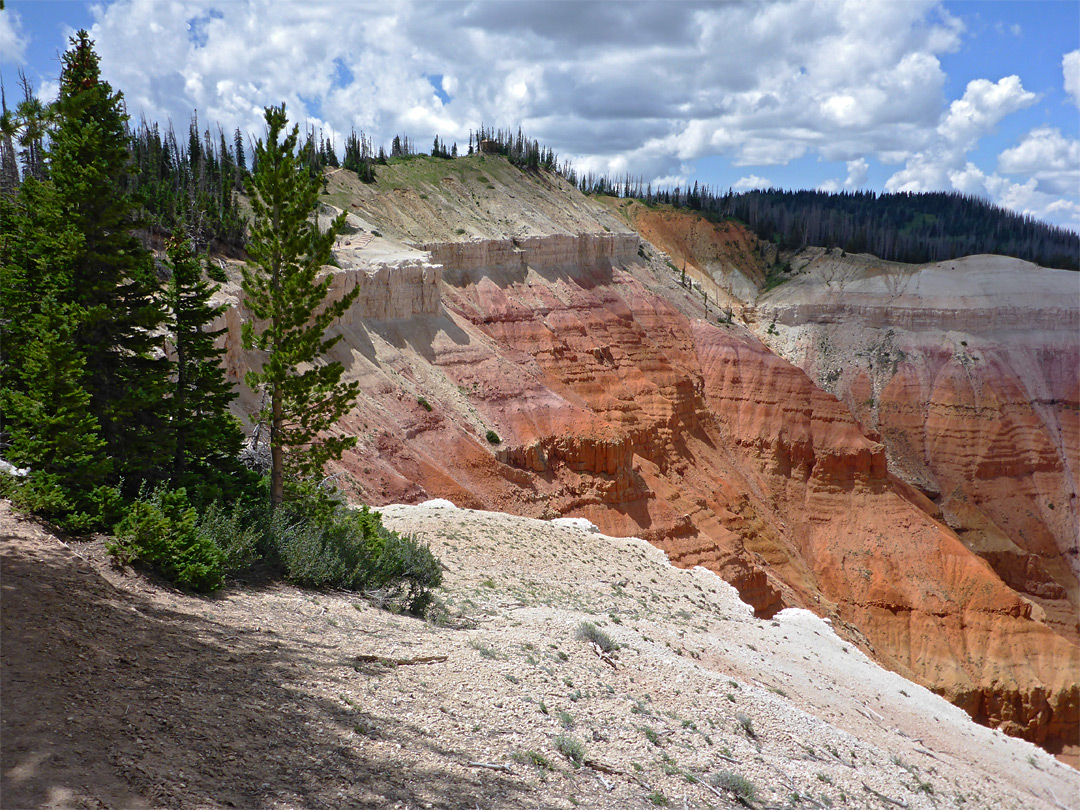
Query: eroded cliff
{"x":616,"y":396}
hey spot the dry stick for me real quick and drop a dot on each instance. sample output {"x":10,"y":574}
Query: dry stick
{"x":603,"y":656}
{"x":600,"y":766}
{"x":491,"y":766}
{"x":877,"y":716}
{"x":608,"y":786}
{"x":885,"y":798}
{"x":1054,"y":798}
{"x":400,"y":662}
{"x":709,"y":787}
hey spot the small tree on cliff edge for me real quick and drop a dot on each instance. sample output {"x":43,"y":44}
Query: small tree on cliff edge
{"x":289,"y":305}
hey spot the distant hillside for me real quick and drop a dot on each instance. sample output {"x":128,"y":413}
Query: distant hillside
{"x":193,"y":185}
{"x":914,"y":228}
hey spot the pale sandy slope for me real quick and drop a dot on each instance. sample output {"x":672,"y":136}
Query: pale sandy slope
{"x":120,"y":692}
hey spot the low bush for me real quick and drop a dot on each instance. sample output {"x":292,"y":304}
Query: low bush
{"x":493,"y":437}
{"x":70,"y":510}
{"x":747,"y":725}
{"x":534,"y":758}
{"x":571,"y":748}
{"x":312,"y":540}
{"x":587,"y":631}
{"x":161,"y":529}
{"x":351,"y":549}
{"x":736,"y":783}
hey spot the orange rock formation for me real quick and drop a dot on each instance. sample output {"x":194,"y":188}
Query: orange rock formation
{"x":614,"y":405}
{"x":618,"y":398}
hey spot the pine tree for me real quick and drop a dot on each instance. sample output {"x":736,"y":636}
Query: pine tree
{"x":103,"y":269}
{"x":45,"y":420}
{"x":9,"y":167}
{"x":206,"y":439}
{"x":280,"y":284}
{"x":53,"y":431}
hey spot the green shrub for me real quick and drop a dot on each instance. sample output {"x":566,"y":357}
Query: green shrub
{"x":161,"y":530}
{"x":658,"y":799}
{"x":571,"y":748}
{"x":747,"y":725}
{"x":68,"y":509}
{"x":351,"y":549}
{"x":493,"y":437}
{"x":235,"y":529}
{"x":651,"y":735}
{"x":737,"y":784}
{"x":587,"y":631}
{"x":423,"y":403}
{"x":534,"y":758}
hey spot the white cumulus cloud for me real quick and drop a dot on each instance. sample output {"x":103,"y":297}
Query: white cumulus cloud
{"x":982,"y":107}
{"x":13,"y":40}
{"x":1049,"y":157}
{"x":1070,"y":66}
{"x":644,"y":87}
{"x":751,"y":182}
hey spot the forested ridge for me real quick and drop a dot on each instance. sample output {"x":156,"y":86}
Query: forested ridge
{"x":905,"y":227}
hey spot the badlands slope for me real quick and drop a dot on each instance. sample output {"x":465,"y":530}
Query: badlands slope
{"x":497,"y":300}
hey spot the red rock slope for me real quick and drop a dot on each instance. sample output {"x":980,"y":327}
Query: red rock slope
{"x":613,"y":400}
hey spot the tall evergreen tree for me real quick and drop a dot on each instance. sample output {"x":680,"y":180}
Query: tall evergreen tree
{"x":103,"y":270}
{"x":206,"y":439}
{"x":9,"y":167}
{"x":285,"y":296}
{"x":53,"y":432}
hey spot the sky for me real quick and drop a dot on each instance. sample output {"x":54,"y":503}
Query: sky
{"x":883,"y":95}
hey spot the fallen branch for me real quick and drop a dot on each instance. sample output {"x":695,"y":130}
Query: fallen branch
{"x":608,"y":786}
{"x":709,"y":787}
{"x":600,"y":766}
{"x":400,"y":662}
{"x":491,"y":766}
{"x":877,"y":716}
{"x":1054,"y":799}
{"x":603,"y":656}
{"x":885,"y":798}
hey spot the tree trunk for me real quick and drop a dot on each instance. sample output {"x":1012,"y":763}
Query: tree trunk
{"x":277,"y":453}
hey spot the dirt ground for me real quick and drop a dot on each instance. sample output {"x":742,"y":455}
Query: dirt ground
{"x":121,"y":692}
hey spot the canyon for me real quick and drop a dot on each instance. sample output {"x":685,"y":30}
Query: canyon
{"x":903,"y":465}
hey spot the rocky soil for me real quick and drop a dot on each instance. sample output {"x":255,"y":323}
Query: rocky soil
{"x":120,"y":692}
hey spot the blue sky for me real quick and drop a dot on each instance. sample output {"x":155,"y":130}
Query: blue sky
{"x":980,"y":97}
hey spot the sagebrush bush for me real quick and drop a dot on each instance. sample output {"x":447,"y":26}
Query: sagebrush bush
{"x":161,"y":529}
{"x":743,"y":788}
{"x":235,"y":529}
{"x":313,"y":540}
{"x":747,"y":725}
{"x":351,"y":549}
{"x":587,"y":631}
{"x":571,"y":748}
